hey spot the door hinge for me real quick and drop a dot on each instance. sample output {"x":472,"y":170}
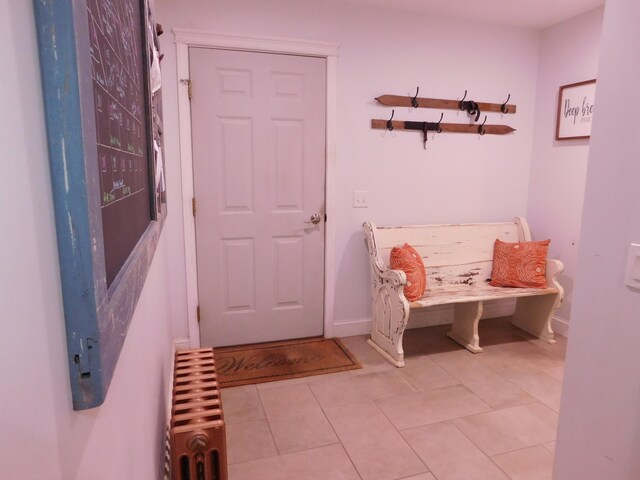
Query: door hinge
{"x":189,"y":84}
{"x":198,"y":313}
{"x":193,"y":206}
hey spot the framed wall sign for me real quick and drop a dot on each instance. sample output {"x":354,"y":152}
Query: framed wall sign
{"x":101,"y":83}
{"x":575,"y":110}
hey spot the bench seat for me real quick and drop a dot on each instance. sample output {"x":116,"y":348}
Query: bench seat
{"x":482,"y":293}
{"x":458,"y":263}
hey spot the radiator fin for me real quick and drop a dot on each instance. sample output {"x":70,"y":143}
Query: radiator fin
{"x":197,"y":429}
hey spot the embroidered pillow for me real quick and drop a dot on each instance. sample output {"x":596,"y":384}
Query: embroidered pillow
{"x":520,"y":264}
{"x":405,"y":258}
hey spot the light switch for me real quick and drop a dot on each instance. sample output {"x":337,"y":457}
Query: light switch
{"x":633,"y":266}
{"x":360,"y":199}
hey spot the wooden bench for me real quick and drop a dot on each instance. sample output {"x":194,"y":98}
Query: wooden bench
{"x":458,"y":262}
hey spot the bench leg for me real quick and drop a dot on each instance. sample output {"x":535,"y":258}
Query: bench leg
{"x":390,"y":317}
{"x":465,"y":325}
{"x":533,"y":315}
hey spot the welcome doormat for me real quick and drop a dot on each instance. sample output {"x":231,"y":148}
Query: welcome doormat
{"x":268,"y":362}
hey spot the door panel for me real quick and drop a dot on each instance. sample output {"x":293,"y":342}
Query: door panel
{"x":258,"y":126}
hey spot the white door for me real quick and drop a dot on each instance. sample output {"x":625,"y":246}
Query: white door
{"x":258,"y":126}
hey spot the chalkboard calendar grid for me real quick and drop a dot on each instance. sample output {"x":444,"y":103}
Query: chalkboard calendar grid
{"x":117,"y":70}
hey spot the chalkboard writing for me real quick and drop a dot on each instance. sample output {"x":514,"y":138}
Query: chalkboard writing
{"x":120,"y":93}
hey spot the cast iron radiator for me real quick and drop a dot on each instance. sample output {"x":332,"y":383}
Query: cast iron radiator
{"x":197,"y":435}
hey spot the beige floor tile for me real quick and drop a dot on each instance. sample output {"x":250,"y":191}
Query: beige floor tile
{"x":533,"y":463}
{"x":370,"y":360}
{"x":375,"y":447}
{"x":423,"y":408}
{"x":297,"y":421}
{"x":365,"y":354}
{"x":450,"y":455}
{"x":249,"y":441}
{"x":427,"y":341}
{"x":556,"y":372}
{"x":422,"y":476}
{"x":516,"y":359}
{"x":377,"y":368}
{"x":241,"y":404}
{"x":324,"y":463}
{"x":424,"y":374}
{"x":558,"y":349}
{"x":541,"y":386}
{"x":496,"y":332}
{"x":511,"y":359}
{"x":301,"y":380}
{"x":360,"y":388}
{"x":510,"y":429}
{"x":485,"y":382}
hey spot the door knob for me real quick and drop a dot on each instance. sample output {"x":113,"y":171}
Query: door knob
{"x":315,"y":219}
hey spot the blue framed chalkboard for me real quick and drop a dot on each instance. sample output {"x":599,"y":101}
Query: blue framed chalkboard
{"x":100,"y":79}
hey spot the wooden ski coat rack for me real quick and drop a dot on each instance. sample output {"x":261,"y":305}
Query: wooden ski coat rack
{"x":471,"y":107}
{"x":439,"y":127}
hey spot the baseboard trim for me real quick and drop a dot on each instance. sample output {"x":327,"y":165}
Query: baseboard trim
{"x":560,"y":326}
{"x":428,"y":317}
{"x":349,"y":328}
{"x":177,"y":345}
{"x":498,"y":308}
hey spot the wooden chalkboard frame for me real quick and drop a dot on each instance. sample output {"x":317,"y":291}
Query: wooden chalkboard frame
{"x":96,"y":317}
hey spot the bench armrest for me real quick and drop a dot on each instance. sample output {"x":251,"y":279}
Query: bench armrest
{"x":378,"y":268}
{"x":389,"y":306}
{"x":395,"y":277}
{"x":553,"y":269}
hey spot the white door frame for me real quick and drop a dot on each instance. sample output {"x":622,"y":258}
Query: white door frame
{"x":186,"y":38}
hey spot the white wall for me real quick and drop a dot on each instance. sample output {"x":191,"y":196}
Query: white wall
{"x":569,"y":53}
{"x":41,"y":436}
{"x":459,"y":178}
{"x":599,"y":431}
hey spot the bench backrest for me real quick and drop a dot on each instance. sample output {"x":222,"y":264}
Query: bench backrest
{"x":452,"y":254}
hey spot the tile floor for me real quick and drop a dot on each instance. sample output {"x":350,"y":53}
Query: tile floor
{"x":448,"y":415}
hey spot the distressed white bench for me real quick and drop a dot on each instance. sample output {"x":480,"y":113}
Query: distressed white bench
{"x":458,"y":261}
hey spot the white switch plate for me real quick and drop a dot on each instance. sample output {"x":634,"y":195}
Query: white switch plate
{"x":360,"y":199}
{"x":633,"y":266}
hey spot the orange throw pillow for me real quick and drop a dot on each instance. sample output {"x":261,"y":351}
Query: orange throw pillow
{"x":520,"y":264}
{"x":406,"y":258}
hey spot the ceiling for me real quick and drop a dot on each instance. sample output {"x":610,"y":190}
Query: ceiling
{"x":520,"y":13}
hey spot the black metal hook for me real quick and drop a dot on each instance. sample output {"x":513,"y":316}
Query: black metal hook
{"x":503,"y":107}
{"x":389,"y":122}
{"x":481,"y":127}
{"x":438,"y":128}
{"x":430,"y":127}
{"x":470,"y":106}
{"x":414,"y":100}
{"x":461,"y":102}
{"x":475,"y":108}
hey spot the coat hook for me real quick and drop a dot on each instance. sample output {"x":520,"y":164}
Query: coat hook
{"x":461,"y":102}
{"x":503,"y":107}
{"x":471,"y":107}
{"x":414,"y":100}
{"x":389,"y":122}
{"x":475,"y":109}
{"x":438,"y":127}
{"x":481,"y":127}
